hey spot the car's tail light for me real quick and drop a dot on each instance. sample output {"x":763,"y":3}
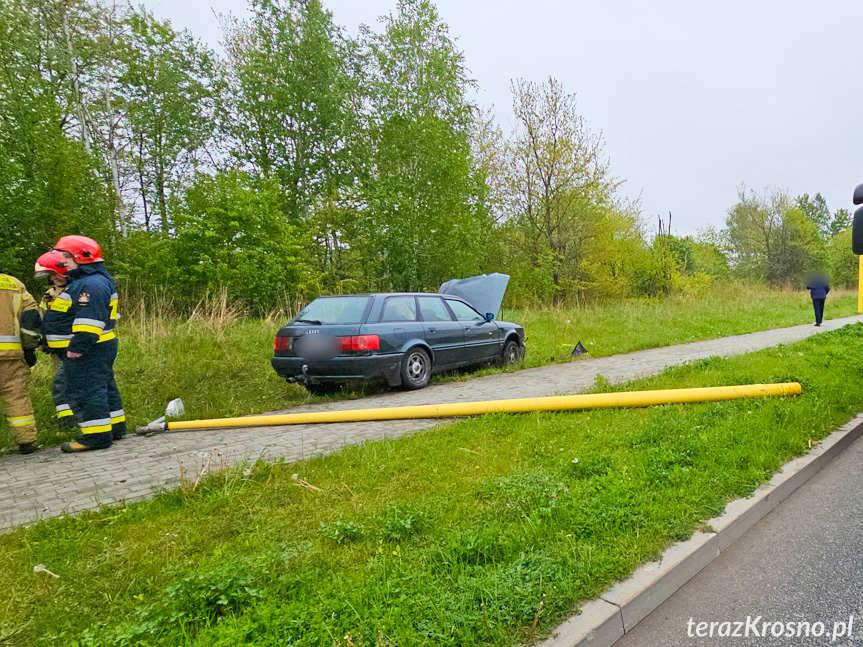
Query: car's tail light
{"x":282,"y":344}
{"x":361,"y":342}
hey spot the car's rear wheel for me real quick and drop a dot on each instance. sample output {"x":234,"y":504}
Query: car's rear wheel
{"x":511,"y":353}
{"x":416,"y":369}
{"x":325,"y":388}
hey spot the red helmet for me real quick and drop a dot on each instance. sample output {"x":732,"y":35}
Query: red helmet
{"x":82,"y":249}
{"x":50,"y":262}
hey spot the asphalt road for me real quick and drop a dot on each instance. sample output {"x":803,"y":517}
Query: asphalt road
{"x":802,"y":563}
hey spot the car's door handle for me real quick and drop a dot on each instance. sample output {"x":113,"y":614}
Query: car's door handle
{"x":467,"y":327}
{"x":432,"y":329}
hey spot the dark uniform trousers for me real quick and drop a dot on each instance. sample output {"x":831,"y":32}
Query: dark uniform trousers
{"x":93,"y":390}
{"x":60,"y":395}
{"x":818,"y":304}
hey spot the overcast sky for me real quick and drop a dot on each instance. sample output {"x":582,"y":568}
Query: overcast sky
{"x":693,"y":98}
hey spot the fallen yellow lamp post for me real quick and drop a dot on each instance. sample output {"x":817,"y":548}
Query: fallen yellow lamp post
{"x":522,"y":405}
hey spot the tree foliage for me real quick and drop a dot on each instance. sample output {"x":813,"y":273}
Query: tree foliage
{"x":771,"y":238}
{"x":423,"y":193}
{"x":305,"y":161}
{"x":47,"y":185}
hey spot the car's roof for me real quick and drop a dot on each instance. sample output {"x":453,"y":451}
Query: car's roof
{"x":392,"y":294}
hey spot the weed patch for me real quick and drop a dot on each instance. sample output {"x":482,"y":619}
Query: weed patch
{"x":218,"y":361}
{"x":490,"y":546}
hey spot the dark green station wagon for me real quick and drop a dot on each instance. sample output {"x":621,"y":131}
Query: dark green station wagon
{"x":401,"y":337}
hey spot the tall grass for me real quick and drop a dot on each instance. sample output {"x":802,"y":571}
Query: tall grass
{"x":625,"y":326}
{"x":217,"y":358}
{"x":485,"y":532}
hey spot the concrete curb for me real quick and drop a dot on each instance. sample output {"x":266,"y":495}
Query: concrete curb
{"x":604,"y":621}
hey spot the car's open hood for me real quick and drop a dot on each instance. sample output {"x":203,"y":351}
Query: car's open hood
{"x":485,"y":293}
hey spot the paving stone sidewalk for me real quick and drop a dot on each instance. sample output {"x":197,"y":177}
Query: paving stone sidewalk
{"x":50,"y":483}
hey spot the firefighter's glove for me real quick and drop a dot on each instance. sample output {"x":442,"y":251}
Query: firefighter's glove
{"x":30,"y":357}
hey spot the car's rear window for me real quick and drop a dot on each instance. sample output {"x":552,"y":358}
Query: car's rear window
{"x":334,"y":310}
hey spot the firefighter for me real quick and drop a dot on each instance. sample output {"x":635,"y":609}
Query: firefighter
{"x":50,"y":265}
{"x":19,"y":337}
{"x":88,"y":313}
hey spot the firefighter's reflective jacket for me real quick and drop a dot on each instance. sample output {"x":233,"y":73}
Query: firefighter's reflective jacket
{"x":53,"y":321}
{"x":48,"y":298}
{"x":19,"y":319}
{"x":85,"y":313}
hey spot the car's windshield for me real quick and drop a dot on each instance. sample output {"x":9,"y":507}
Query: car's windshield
{"x":333,"y":310}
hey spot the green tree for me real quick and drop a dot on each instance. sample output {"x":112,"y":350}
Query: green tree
{"x":230,"y":232}
{"x":47,"y":182}
{"x":816,"y":210}
{"x":841,"y":221}
{"x":168,"y":94}
{"x":292,"y":114}
{"x":842,"y":263}
{"x":423,"y":204}
{"x":425,"y":195}
{"x":560,"y":192}
{"x":770,"y":238}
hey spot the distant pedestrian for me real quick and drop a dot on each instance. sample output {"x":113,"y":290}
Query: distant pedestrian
{"x":818,"y":288}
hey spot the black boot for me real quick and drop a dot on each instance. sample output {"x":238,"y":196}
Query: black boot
{"x":26,"y":448}
{"x":88,"y":442}
{"x":75,"y":447}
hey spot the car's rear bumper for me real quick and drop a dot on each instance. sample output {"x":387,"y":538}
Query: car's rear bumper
{"x":298,"y":369}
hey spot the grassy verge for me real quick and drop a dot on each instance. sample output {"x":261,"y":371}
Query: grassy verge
{"x":628,"y":326}
{"x":483,"y":532}
{"x":219,"y":363}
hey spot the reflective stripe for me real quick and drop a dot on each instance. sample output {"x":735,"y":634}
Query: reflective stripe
{"x":97,"y":423}
{"x":115,"y":296}
{"x":22,"y":421}
{"x":93,"y":330}
{"x":32,"y":333}
{"x":101,"y":429}
{"x":58,"y":341}
{"x":64,"y":414}
{"x":83,"y":321}
{"x":10,"y":342}
{"x":63,"y":407}
{"x":96,"y":426}
{"x":117,"y":417}
{"x":62,"y":341}
{"x":117,"y":413}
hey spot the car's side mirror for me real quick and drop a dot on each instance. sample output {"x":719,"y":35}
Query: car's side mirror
{"x":489,"y":316}
{"x":858,"y":194}
{"x":857,"y":230}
